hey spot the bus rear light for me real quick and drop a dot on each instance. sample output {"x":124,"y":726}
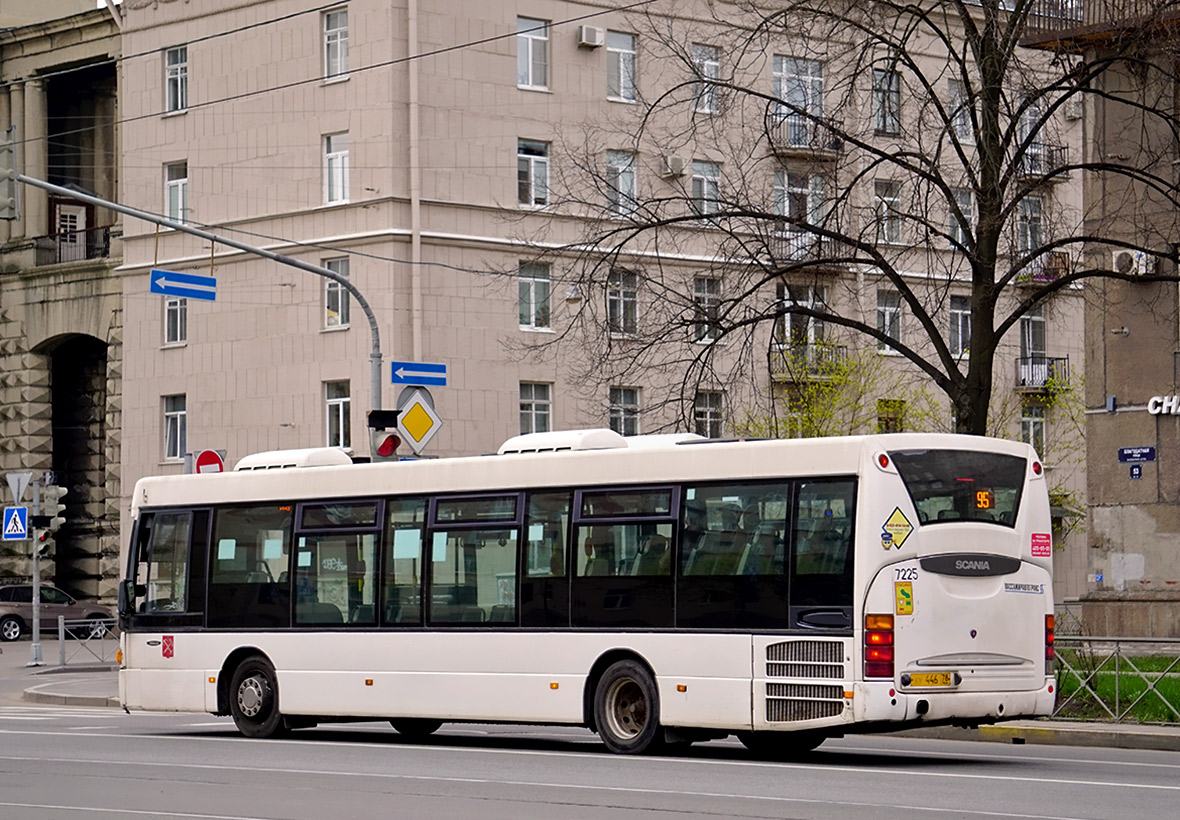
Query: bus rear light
{"x":1037,"y":468}
{"x":883,"y":461}
{"x":878,"y":646}
{"x":1050,"y":644}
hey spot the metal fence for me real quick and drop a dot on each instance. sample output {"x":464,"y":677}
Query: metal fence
{"x":1120,"y":680}
{"x":93,"y":640}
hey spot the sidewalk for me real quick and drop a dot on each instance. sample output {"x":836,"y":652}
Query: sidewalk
{"x":98,"y":685}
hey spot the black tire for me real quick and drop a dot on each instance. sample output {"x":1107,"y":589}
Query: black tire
{"x":254,"y":699}
{"x":415,"y":728}
{"x":11,"y":628}
{"x":780,"y":745}
{"x":627,"y":709}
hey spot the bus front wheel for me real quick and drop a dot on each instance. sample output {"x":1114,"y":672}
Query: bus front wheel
{"x":627,"y":709}
{"x":254,"y":699}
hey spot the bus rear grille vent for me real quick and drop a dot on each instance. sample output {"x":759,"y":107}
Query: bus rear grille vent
{"x":804,"y":670}
{"x":806,"y":651}
{"x":802,"y":701}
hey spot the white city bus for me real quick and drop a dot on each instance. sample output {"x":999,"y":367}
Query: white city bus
{"x":656,"y":589}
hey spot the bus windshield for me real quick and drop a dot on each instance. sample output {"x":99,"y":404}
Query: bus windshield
{"x":962,"y":485}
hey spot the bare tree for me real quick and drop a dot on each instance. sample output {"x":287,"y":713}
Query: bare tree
{"x":833,"y":165}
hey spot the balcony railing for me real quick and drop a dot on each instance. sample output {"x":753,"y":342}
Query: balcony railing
{"x":1095,"y":15}
{"x":1036,"y":374}
{"x":792,"y":133}
{"x":806,"y":362}
{"x":1045,"y":269}
{"x":790,"y":245}
{"x":74,"y":246}
{"x":1041,"y":159}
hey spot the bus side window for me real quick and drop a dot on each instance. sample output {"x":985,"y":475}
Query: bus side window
{"x":250,"y":551}
{"x":402,"y":580}
{"x":822,"y":559}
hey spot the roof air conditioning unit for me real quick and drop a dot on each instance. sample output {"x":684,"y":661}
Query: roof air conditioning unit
{"x":590,"y":37}
{"x":1133,"y":263}
{"x":673,"y":166}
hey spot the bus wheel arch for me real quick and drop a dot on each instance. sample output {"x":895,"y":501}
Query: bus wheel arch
{"x":626,"y":706}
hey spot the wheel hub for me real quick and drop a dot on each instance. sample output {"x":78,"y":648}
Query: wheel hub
{"x":252,"y":696}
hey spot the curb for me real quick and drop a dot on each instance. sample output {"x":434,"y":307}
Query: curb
{"x":33,"y":695}
{"x":1125,"y":737}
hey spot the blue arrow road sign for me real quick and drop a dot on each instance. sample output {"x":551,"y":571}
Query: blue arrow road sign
{"x":16,"y":523}
{"x":186,"y":285}
{"x":421,"y":373}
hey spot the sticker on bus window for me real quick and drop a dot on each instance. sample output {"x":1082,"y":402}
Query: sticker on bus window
{"x":896,"y":529}
{"x":1042,"y":545}
{"x":903,"y":593}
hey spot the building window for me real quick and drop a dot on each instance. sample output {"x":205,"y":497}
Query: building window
{"x":532,"y":53}
{"x":1032,"y":334}
{"x":532,"y":173}
{"x":801,"y":199}
{"x":335,"y":168}
{"x":336,"y":43}
{"x":799,"y":331}
{"x":624,"y":410}
{"x":1032,"y":427}
{"x":175,"y":320}
{"x":176,"y":191}
{"x":620,"y":66}
{"x":706,"y":297}
{"x":620,"y":182}
{"x":800,"y":85}
{"x":338,"y":406}
{"x":888,"y":318}
{"x":960,"y":224}
{"x":175,"y":428}
{"x":1029,"y":224}
{"x":960,"y":338}
{"x":886,"y":101}
{"x":534,"y":295}
{"x":176,"y":78}
{"x":622,"y":302}
{"x":959,"y":111}
{"x":707,"y":413}
{"x":336,"y":302}
{"x":707,"y":60}
{"x":706,"y":187}
{"x":890,"y":416}
{"x":535,"y":408}
{"x":888,"y":211}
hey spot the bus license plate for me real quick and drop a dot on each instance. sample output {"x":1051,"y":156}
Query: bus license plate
{"x":932,"y":679}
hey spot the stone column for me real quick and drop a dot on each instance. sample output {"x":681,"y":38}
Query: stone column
{"x":36,"y":137}
{"x":16,"y":107}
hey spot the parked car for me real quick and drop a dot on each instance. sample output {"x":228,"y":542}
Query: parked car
{"x":16,"y":611}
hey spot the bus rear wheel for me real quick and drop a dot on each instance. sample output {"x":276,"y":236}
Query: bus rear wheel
{"x":254,"y":699}
{"x":780,"y":745}
{"x":415,"y":728}
{"x":627,"y":709}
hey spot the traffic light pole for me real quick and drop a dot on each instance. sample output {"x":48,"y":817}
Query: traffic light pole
{"x":375,"y":353}
{"x":35,"y":648}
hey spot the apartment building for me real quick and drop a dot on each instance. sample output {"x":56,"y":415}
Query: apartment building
{"x":61,"y":304}
{"x":468,"y":166}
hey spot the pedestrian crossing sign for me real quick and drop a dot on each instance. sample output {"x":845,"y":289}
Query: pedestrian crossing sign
{"x":16,"y":523}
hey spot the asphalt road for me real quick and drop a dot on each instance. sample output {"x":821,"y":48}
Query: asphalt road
{"x":61,"y":763}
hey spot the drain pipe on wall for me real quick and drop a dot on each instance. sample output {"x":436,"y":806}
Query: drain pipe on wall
{"x":415,"y":186}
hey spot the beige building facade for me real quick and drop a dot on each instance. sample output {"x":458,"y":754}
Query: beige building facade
{"x":443,"y":156}
{"x":61,"y":304}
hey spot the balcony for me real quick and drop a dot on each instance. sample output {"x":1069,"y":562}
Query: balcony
{"x":1079,"y":23}
{"x":1042,"y":374}
{"x":794,"y":135}
{"x":74,"y":246}
{"x":1042,"y":159}
{"x":789,"y":245}
{"x":1045,"y":269}
{"x":806,"y":362}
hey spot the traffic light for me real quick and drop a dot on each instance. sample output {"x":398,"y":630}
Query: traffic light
{"x":52,"y":506}
{"x":8,"y":206}
{"x":42,"y":543}
{"x":383,"y":438}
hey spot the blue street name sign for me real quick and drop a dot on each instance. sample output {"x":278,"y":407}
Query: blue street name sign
{"x":184,"y":285}
{"x":1136,"y":455}
{"x":425,"y":374}
{"x":16,"y":523}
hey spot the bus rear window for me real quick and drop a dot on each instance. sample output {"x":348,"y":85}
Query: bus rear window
{"x":962,"y":485}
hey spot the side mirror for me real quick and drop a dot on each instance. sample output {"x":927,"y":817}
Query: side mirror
{"x":127,"y":590}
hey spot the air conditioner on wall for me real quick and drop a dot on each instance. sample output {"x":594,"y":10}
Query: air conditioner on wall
{"x":590,"y":37}
{"x":1129,"y":262}
{"x":672,"y":166}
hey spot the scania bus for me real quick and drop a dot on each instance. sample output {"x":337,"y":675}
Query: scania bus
{"x":656,"y":589}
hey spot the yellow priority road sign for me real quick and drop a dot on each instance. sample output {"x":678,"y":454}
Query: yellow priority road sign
{"x":417,"y":422}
